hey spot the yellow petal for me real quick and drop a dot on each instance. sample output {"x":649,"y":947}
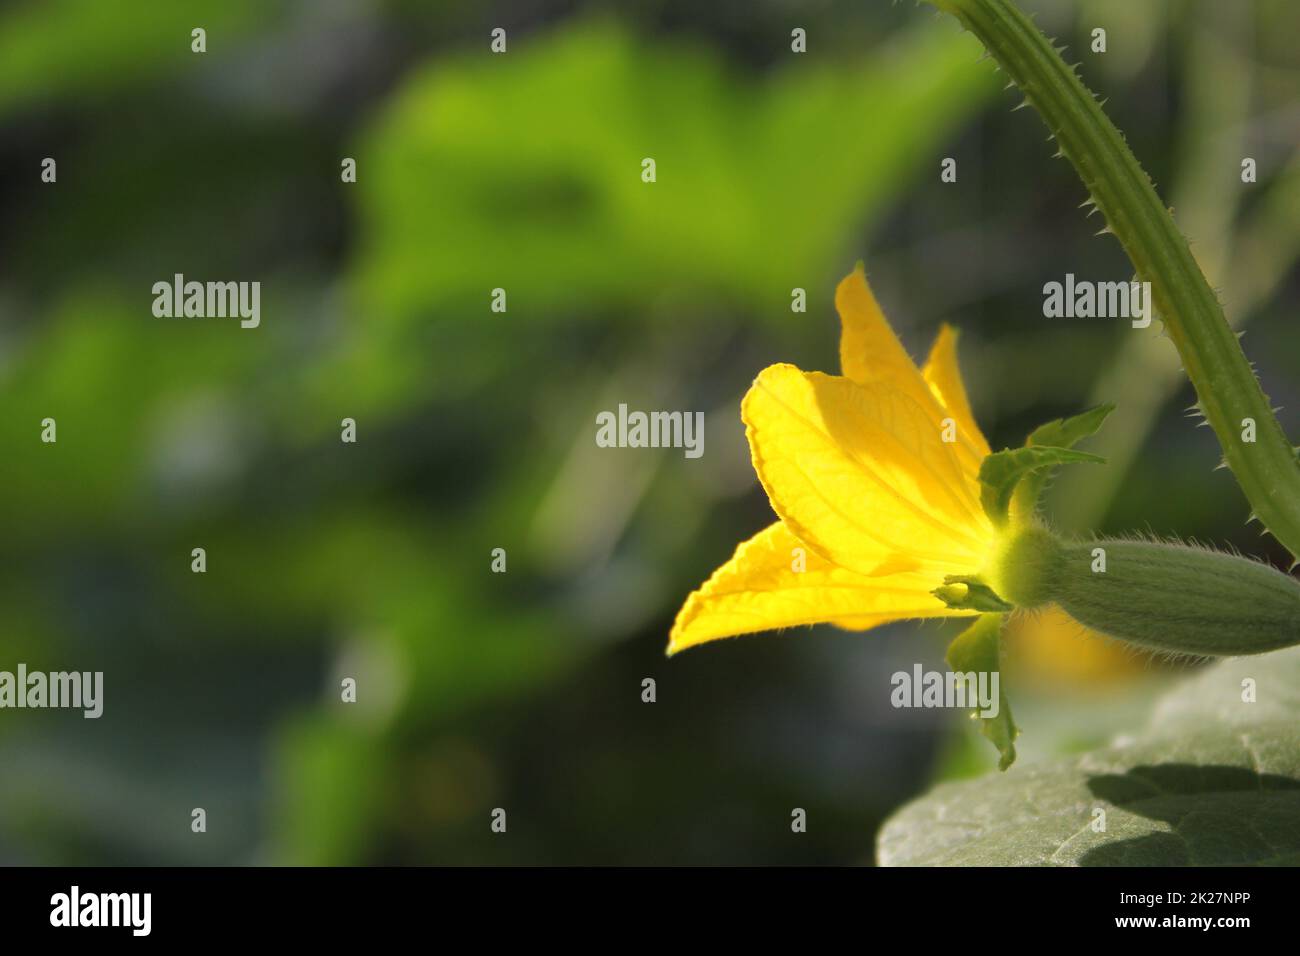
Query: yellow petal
{"x":943,"y":376}
{"x":759,"y":590}
{"x":871,"y":352}
{"x":860,"y":473}
{"x":869,"y":349}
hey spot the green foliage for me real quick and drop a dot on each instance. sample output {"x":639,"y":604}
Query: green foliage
{"x":63,"y":47}
{"x":1213,"y":780}
{"x":467,"y":185}
{"x":331,"y":787}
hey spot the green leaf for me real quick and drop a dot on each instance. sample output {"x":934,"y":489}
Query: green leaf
{"x":1067,"y":432}
{"x":977,"y":650}
{"x":1002,"y":471}
{"x":1213,"y":780}
{"x":1061,"y":433}
{"x":548,"y":197}
{"x":65,"y":48}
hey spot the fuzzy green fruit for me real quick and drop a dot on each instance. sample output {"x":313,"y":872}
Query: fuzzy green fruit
{"x":1161,"y":596}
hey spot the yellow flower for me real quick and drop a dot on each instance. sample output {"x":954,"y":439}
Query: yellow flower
{"x":874,"y":475}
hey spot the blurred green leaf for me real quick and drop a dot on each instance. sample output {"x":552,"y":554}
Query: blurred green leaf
{"x":57,"y":47}
{"x":330,"y":786}
{"x":524,"y":172}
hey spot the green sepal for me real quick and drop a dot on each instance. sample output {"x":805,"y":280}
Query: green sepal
{"x":1068,"y":432}
{"x":978,"y":650}
{"x":1061,"y":433}
{"x":1002,"y":471}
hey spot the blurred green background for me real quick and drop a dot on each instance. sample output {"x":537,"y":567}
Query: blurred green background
{"x":476,"y":429}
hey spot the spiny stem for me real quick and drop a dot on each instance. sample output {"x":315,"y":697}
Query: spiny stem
{"x":1267,"y":469}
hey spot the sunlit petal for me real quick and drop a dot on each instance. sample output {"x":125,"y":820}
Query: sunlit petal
{"x":943,"y":376}
{"x":760,"y":590}
{"x":869,"y":349}
{"x":860,"y":472}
